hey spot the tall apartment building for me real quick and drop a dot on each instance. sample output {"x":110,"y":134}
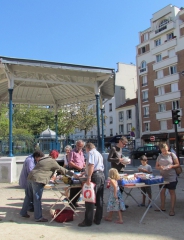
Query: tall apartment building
{"x":160,"y":61}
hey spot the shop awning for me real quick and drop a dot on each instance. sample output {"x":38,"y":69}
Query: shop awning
{"x":157,"y":136}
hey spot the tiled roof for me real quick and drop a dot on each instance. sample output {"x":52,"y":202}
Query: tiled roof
{"x":130,"y":102}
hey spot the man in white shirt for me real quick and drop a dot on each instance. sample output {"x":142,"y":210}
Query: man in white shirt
{"x":95,"y":174}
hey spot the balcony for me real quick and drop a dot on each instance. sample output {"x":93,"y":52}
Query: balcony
{"x":167,"y":97}
{"x":143,"y":71}
{"x":144,"y":84}
{"x":166,"y":114}
{"x":156,"y":32}
{"x":165,"y":63}
{"x":146,"y":115}
{"x":169,"y":44}
{"x":163,"y":115}
{"x":145,"y":99}
{"x":166,"y":80}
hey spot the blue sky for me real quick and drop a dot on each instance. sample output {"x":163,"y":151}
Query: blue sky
{"x":88,"y":32}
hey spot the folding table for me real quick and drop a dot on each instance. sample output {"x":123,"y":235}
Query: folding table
{"x":60,"y":190}
{"x":152,"y":201}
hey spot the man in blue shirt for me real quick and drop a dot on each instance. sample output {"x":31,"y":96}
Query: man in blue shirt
{"x":28,"y":166}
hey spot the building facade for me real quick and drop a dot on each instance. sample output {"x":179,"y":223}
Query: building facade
{"x":127,"y":116}
{"x":125,"y":88}
{"x":160,"y":62}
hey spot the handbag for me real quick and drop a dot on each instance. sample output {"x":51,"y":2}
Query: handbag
{"x":64,"y":216}
{"x":178,"y":169}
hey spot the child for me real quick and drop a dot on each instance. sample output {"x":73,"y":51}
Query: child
{"x":115,"y":201}
{"x":145,"y":168}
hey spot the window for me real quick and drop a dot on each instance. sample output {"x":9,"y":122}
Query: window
{"x":163,"y":22}
{"x":146,"y":111}
{"x":175,"y":105}
{"x":145,"y":36}
{"x":145,"y":95}
{"x":110,"y":107}
{"x":158,"y":58}
{"x":146,"y":126}
{"x":173,"y":69}
{"x":157,"y":42}
{"x":111,"y":132}
{"x":110,"y":120}
{"x":121,"y":129}
{"x":121,"y":115}
{"x":163,"y":125}
{"x":129,"y":114}
{"x":144,"y":80}
{"x":143,"y":66}
{"x":174,"y":87}
{"x":160,"y":74}
{"x":171,"y":53}
{"x":161,"y":90}
{"x":170,"y":36}
{"x":143,"y":49}
{"x":129,"y":127}
{"x":162,"y":107}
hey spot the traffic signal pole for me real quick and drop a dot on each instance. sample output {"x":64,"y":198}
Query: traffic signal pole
{"x":176,"y":121}
{"x":177,"y":144}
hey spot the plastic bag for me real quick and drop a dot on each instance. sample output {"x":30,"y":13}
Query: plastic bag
{"x":88,"y":193}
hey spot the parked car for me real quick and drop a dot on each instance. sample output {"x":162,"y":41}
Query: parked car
{"x":149,"y":151}
{"x":126,"y":152}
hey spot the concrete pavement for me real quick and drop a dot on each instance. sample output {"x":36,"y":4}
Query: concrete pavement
{"x":154,"y":226}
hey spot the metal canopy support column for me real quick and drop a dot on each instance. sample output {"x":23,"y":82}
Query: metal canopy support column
{"x":97,"y":95}
{"x":102,"y":123}
{"x":56,"y":127}
{"x":10,"y":123}
{"x":10,"y":91}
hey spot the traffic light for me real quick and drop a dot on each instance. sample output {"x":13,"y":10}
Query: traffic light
{"x":175,"y":116}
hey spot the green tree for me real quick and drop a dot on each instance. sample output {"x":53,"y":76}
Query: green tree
{"x":4,"y":122}
{"x":86,"y":118}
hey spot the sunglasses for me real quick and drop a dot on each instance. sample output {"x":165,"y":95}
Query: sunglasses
{"x":124,"y":143}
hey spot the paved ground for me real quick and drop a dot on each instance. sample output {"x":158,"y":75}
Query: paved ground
{"x":155,"y":225}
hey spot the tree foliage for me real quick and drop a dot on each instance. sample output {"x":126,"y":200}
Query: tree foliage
{"x":32,"y":120}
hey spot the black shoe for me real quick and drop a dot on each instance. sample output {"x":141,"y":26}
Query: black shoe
{"x":97,"y":223}
{"x":31,"y":210}
{"x":42,"y":220}
{"x":83,"y":224}
{"x":26,"y":216}
{"x":126,"y":206}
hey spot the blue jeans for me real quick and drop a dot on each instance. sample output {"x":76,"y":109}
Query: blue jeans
{"x":33,"y":191}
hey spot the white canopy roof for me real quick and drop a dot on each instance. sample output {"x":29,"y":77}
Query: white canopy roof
{"x":51,"y":83}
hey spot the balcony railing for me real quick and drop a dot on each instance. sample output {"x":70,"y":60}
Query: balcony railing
{"x":144,"y":84}
{"x":142,"y":70}
{"x":145,"y":99}
{"x":160,"y":29}
{"x":146,"y":115}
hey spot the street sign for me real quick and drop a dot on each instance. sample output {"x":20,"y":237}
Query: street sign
{"x":152,"y":138}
